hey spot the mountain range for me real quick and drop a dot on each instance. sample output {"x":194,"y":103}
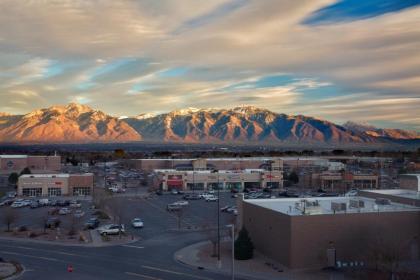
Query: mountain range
{"x":75,"y":123}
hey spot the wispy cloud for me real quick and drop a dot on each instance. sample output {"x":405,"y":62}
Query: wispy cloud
{"x":333,"y":59}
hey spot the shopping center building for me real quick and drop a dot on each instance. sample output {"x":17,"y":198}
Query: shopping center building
{"x":37,"y":164}
{"x":55,"y":184}
{"x":167,"y":179}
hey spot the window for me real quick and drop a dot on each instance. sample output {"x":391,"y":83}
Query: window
{"x":54,"y":191}
{"x":32,"y":191}
{"x":81,"y":191}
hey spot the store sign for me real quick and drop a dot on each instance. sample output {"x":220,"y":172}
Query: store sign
{"x":10,"y":164}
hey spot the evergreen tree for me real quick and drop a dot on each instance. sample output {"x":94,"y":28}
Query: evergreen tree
{"x":244,"y":249}
{"x":13,"y":178}
{"x":26,"y":170}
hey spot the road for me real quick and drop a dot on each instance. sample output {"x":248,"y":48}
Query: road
{"x":149,"y":258}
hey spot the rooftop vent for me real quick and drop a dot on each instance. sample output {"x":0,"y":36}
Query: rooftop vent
{"x":338,"y":206}
{"x":382,"y":201}
{"x":355,"y":203}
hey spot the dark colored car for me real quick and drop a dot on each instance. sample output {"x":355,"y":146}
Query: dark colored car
{"x":92,"y":223}
{"x":52,"y":222}
{"x":159,"y":192}
{"x":191,"y":197}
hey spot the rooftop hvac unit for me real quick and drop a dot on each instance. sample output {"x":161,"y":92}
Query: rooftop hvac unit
{"x":357,"y":203}
{"x":338,"y":206}
{"x":382,"y":201}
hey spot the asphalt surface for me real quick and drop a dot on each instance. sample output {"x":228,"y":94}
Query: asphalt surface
{"x":150,"y":258}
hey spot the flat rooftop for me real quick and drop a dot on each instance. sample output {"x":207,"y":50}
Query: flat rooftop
{"x":60,"y":175}
{"x":209,"y":171}
{"x":398,"y":192}
{"x":13,"y":156}
{"x":294,"y":206}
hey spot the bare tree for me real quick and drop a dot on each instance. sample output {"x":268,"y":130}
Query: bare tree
{"x":118,"y":210}
{"x":10,"y":217}
{"x":179,"y":215}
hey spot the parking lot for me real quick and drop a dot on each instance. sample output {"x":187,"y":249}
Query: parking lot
{"x":35,"y":218}
{"x":199,"y":214}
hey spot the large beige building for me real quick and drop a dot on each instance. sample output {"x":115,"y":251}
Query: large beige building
{"x":55,"y":184}
{"x":322,"y":232}
{"x":37,"y":164}
{"x":149,"y":165}
{"x":167,"y":179}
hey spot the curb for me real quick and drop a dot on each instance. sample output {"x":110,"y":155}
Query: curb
{"x":197,"y":266}
{"x":90,"y":245}
{"x":20,"y":270}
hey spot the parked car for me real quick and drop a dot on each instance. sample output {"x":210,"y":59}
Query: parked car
{"x":7,"y":202}
{"x":75,"y":204}
{"x":18,"y":204}
{"x":92,"y":223}
{"x":181,"y":203}
{"x":231,"y":209}
{"x":64,"y":211}
{"x":353,"y":192}
{"x":159,"y":192}
{"x":11,"y":194}
{"x":191,"y":197}
{"x":79,"y":213}
{"x":137,"y":223}
{"x":34,"y":204}
{"x":173,"y":207}
{"x":174,"y":191}
{"x":52,"y":222}
{"x":44,"y":201}
{"x":211,"y":198}
{"x":224,"y":208}
{"x":111,"y":229}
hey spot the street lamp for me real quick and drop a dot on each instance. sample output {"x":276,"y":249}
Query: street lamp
{"x":232,"y":227}
{"x":219,"y":263}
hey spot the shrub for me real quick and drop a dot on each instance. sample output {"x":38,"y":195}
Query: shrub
{"x":244,"y":249}
{"x":101,"y":215}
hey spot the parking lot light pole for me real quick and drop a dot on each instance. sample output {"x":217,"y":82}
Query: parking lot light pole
{"x":232,"y":227}
{"x":219,"y":262}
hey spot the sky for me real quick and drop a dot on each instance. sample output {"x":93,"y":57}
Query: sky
{"x":336,"y":60}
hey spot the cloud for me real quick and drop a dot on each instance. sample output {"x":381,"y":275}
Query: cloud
{"x":129,"y":57}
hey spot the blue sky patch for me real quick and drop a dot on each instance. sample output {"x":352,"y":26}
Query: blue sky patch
{"x":351,"y":10}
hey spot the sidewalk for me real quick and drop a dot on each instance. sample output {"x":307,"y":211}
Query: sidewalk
{"x":10,"y":270}
{"x":199,"y":256}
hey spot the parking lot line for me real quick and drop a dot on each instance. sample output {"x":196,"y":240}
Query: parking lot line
{"x":132,"y":246}
{"x":176,"y":272}
{"x":142,"y":276}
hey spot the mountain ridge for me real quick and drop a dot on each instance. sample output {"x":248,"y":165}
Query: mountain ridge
{"x":76,"y":123}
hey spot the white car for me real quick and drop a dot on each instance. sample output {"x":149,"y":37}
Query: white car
{"x":79,"y":213}
{"x":352,"y":193}
{"x":137,"y":223}
{"x":111,"y":229}
{"x":64,"y":211}
{"x":181,"y":203}
{"x":205,"y":195}
{"x":18,"y":204}
{"x":211,"y":198}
